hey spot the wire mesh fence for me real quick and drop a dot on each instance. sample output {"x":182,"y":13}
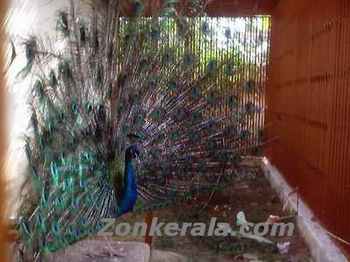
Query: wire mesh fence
{"x":236,"y":48}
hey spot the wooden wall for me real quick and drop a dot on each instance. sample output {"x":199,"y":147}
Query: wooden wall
{"x":308,"y":105}
{"x":240,"y":7}
{"x":215,"y":8}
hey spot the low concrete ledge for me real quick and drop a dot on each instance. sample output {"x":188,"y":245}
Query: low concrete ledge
{"x":322,"y":248}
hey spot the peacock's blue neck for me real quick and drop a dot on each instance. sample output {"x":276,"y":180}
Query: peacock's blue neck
{"x":129,"y":176}
{"x":129,"y":195}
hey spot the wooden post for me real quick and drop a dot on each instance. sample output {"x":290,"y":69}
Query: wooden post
{"x":148,"y":221}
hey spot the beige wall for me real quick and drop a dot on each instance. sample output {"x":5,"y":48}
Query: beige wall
{"x":26,"y":17}
{"x":3,"y":246}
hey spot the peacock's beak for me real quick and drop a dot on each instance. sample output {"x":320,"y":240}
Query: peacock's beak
{"x":138,"y":155}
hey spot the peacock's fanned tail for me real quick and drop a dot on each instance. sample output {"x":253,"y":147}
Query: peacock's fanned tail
{"x":118,"y":75}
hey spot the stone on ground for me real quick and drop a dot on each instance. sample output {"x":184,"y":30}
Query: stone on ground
{"x":166,"y":256}
{"x":102,"y":251}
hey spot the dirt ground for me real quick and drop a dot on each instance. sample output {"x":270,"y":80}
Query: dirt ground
{"x":249,"y":192}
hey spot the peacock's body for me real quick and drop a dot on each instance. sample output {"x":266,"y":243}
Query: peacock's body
{"x":129,"y":190}
{"x":117,"y":76}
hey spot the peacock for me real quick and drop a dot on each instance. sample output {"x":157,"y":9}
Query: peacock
{"x":114,"y":88}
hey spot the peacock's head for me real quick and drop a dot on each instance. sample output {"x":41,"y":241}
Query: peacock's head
{"x":134,"y":137}
{"x":132,"y":152}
